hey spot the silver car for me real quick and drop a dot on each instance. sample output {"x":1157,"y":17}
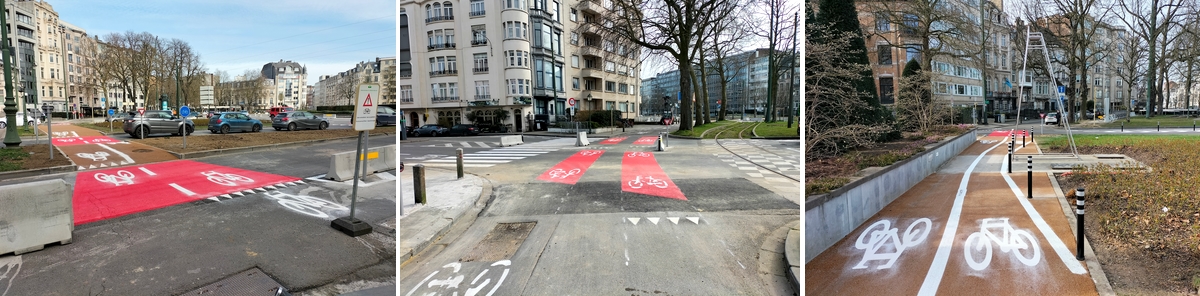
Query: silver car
{"x":295,"y":120}
{"x":157,"y":122}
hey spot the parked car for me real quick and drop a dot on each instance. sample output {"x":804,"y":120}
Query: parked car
{"x":430,"y":130}
{"x":385,"y":115}
{"x":276,"y":110}
{"x":233,"y":121}
{"x":295,"y":120}
{"x":21,"y":120}
{"x":1051,"y":118}
{"x":463,"y":130}
{"x":157,"y":122}
{"x":411,"y":131}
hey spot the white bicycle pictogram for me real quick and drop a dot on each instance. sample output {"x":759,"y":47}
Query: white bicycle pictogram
{"x":1019,"y":242}
{"x":307,"y":205}
{"x":122,"y":177}
{"x":562,"y":174}
{"x":637,"y":182}
{"x":589,"y":152}
{"x":882,"y":234}
{"x":226,"y":178}
{"x":639,"y":154}
{"x":98,"y":156}
{"x":450,"y":285}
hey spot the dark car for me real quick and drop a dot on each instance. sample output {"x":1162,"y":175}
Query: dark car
{"x":430,"y":130}
{"x":385,"y":115}
{"x":295,"y":120}
{"x":464,"y":130}
{"x":226,"y":122}
{"x":157,"y":122}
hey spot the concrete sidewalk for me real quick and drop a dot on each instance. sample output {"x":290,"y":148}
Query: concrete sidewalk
{"x":450,"y":200}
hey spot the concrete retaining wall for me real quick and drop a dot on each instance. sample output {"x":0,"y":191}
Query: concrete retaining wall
{"x":830,"y":217}
{"x":35,"y":214}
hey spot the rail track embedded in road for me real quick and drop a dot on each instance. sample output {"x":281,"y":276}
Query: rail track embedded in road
{"x":740,"y":132}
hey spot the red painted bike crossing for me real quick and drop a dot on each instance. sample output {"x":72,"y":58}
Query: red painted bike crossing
{"x":645,"y":141}
{"x":640,"y":173}
{"x":110,"y":193}
{"x":613,"y":141}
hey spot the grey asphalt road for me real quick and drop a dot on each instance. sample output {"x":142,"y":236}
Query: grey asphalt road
{"x":592,"y":238}
{"x":284,"y":232}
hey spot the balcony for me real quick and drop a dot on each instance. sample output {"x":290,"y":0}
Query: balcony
{"x":592,"y":6}
{"x":443,"y":72}
{"x":444,"y":99}
{"x":483,"y":97}
{"x":404,"y":74}
{"x":406,"y":100}
{"x":478,"y":42}
{"x":475,"y":13}
{"x":542,"y":13}
{"x":480,"y":70}
{"x":591,"y":50}
{"x":439,"y":18}
{"x":437,"y":46}
{"x":592,"y":72}
{"x":486,"y":101}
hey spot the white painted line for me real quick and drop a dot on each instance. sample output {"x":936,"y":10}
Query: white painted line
{"x":184,"y":190}
{"x":478,"y":161}
{"x":499,"y":154}
{"x":466,"y":145}
{"x":1059,"y":247}
{"x":511,"y":152}
{"x":123,"y":155}
{"x":487,"y":157}
{"x":482,"y":144}
{"x":465,"y":165}
{"x":937,"y":270}
{"x":147,"y":171}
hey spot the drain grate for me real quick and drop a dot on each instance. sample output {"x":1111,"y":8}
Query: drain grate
{"x":249,"y":282}
{"x":500,"y":243}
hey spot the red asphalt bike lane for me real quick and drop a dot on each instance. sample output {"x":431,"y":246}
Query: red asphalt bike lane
{"x":640,"y":173}
{"x":1007,"y":133}
{"x":111,"y":193}
{"x":645,"y":141}
{"x":571,"y":169}
{"x":613,"y":141}
{"x":84,"y":140}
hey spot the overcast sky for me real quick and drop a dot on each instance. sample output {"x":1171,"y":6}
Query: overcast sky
{"x":235,"y":35}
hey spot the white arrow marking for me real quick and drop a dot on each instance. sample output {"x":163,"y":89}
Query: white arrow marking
{"x":673,"y":219}
{"x":694,"y":220}
{"x":181,"y":189}
{"x":635,"y":220}
{"x":653,"y":220}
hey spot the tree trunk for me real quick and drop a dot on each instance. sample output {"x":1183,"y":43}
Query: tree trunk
{"x":685,"y":89}
{"x":724,"y":96}
{"x":703,"y":94}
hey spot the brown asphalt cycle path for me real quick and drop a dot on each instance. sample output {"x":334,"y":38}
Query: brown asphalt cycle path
{"x":913,"y":227}
{"x":111,"y":153}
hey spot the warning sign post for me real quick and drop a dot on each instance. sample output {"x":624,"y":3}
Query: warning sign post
{"x":364,"y":121}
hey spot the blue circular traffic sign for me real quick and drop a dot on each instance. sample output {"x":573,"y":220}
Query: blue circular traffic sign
{"x":185,"y":111}
{"x":112,"y":111}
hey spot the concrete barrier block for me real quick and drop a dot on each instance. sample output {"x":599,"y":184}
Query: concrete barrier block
{"x":384,"y":161}
{"x":581,"y":139}
{"x":511,"y":140}
{"x":35,"y":214}
{"x":341,"y":166}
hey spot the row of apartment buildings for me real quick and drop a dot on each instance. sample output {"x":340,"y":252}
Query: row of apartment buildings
{"x":746,"y":86}
{"x":959,"y":81}
{"x":529,"y":58}
{"x":338,"y":89}
{"x":49,"y":59}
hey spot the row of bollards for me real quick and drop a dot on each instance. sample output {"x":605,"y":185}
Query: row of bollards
{"x":1079,"y":197}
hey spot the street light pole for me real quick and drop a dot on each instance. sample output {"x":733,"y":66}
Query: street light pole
{"x":62,"y":35}
{"x":11,"y":139}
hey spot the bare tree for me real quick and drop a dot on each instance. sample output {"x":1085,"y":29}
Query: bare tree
{"x":779,"y":16}
{"x":667,"y":27}
{"x":1151,"y":20}
{"x":1073,"y":26}
{"x":1130,"y":67}
{"x":730,"y":39}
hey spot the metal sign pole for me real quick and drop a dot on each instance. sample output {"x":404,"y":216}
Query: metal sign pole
{"x":49,"y":130}
{"x":357,"y":165}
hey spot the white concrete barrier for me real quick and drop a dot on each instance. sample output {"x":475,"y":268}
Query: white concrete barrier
{"x":35,"y":214}
{"x":511,"y":140}
{"x":581,"y":139}
{"x":341,"y":165}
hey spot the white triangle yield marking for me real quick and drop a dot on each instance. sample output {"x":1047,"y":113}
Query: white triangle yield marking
{"x":103,"y":165}
{"x":124,"y":162}
{"x":694,"y":220}
{"x":300,"y":181}
{"x":112,"y":164}
{"x":272,"y":187}
{"x":673,"y":219}
{"x":214,"y":199}
{"x":226,"y":196}
{"x":239,"y":194}
{"x":248,"y":191}
{"x":82,"y":168}
{"x":92,"y":166}
{"x":634,"y":220}
{"x":653,"y":220}
{"x":260,"y":189}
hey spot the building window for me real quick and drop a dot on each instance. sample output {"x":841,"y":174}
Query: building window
{"x":881,"y":23}
{"x":517,"y":58}
{"x":885,"y":91}
{"x":910,"y":24}
{"x":406,"y":94}
{"x":574,"y":38}
{"x":477,"y":8}
{"x":515,"y":30}
{"x":518,"y":87}
{"x":885,"y":54}
{"x":480,"y":62}
{"x":441,"y":38}
{"x":610,"y":86}
{"x":482,"y":90}
{"x":478,"y":35}
{"x":575,"y":61}
{"x":574,"y":15}
{"x":623,"y":88}
{"x":610,"y":67}
{"x":575,"y":83}
{"x":514,"y":4}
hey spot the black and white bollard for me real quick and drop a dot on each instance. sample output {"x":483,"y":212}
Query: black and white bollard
{"x":1010,"y":157}
{"x":1079,"y":223}
{"x":1122,"y":127}
{"x":1029,"y":177}
{"x":1160,"y":126}
{"x":1023,"y":139}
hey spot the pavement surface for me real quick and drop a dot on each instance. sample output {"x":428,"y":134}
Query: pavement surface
{"x":170,"y":228}
{"x":90,"y":149}
{"x":968,"y":229}
{"x":612,"y":217}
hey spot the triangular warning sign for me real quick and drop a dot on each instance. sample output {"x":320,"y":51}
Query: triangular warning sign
{"x":368,"y":101}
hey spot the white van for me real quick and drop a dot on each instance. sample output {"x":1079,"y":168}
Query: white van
{"x":21,"y":120}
